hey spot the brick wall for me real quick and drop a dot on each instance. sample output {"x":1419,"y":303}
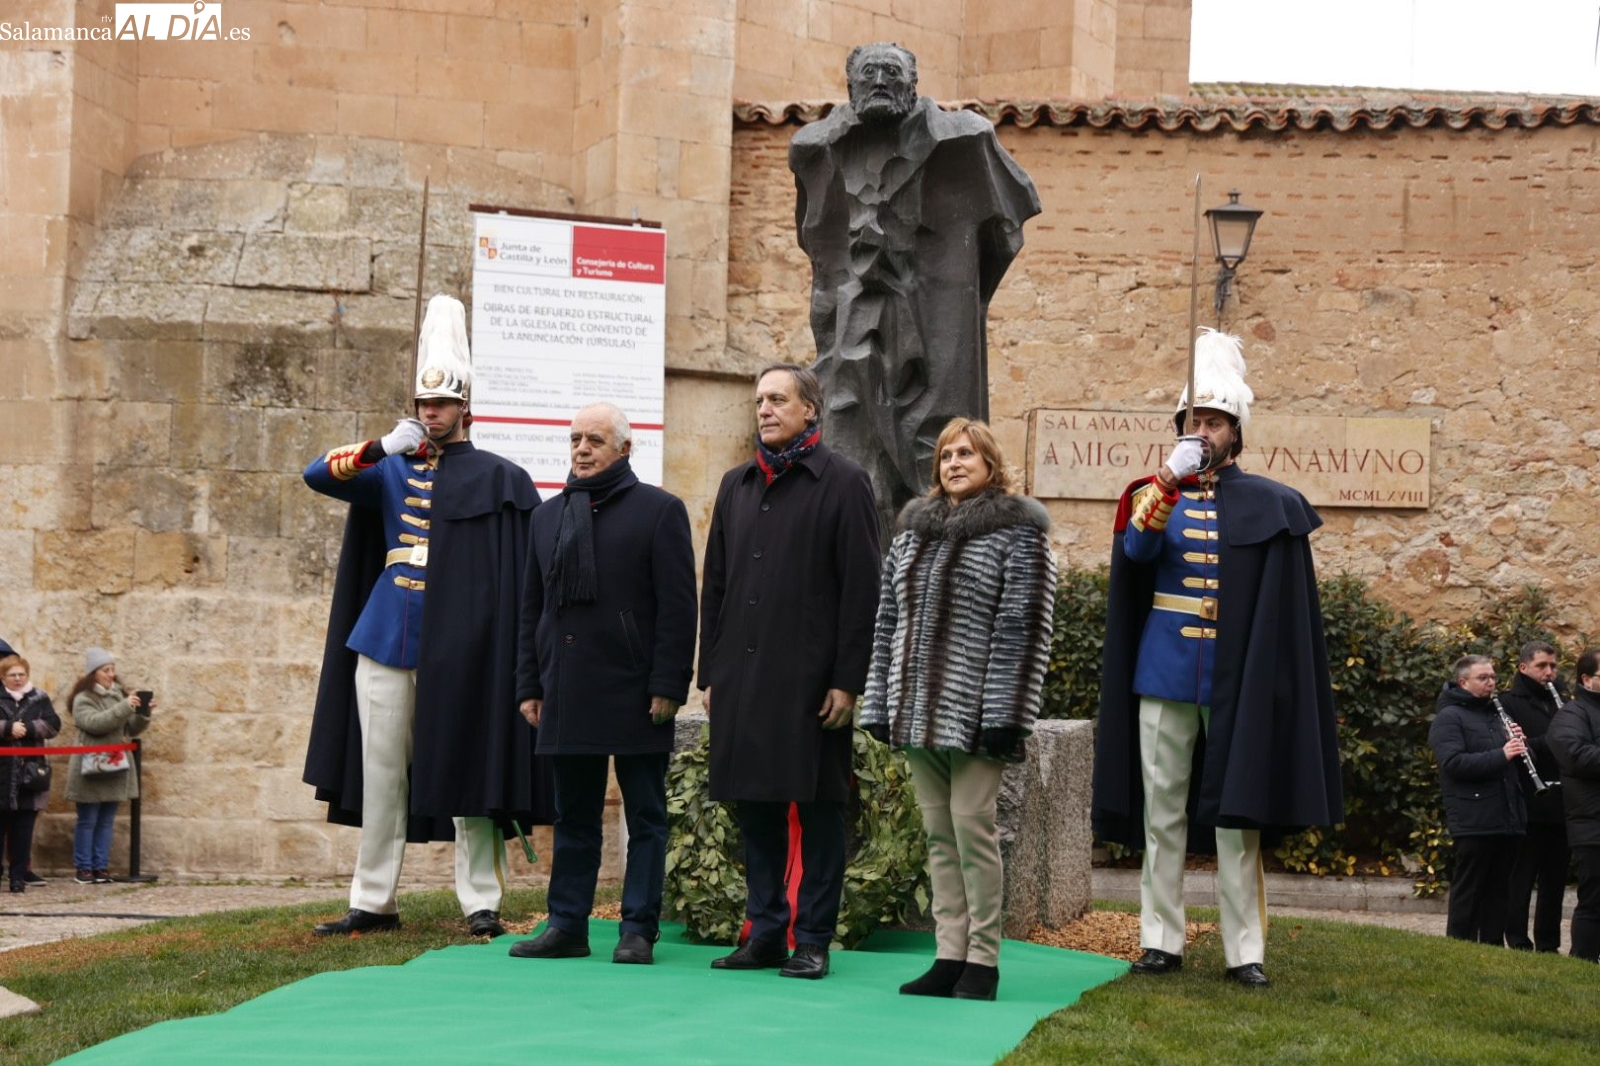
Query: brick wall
{"x":1425,"y":273}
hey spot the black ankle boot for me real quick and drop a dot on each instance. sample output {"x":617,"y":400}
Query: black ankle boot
{"x":977,"y":982}
{"x":940,"y":980}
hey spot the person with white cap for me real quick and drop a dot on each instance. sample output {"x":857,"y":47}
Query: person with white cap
{"x":104,"y":712}
{"x":1213,"y":639}
{"x":416,"y":734}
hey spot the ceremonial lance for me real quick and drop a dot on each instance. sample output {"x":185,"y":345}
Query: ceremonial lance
{"x":422,"y":261}
{"x":1194,"y":311}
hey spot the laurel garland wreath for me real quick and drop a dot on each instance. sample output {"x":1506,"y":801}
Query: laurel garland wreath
{"x":885,"y":880}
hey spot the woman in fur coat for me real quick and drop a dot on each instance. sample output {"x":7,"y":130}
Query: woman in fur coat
{"x":958,"y":661}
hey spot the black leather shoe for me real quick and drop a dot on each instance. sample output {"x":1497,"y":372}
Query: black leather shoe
{"x":31,"y":878}
{"x":977,"y":982}
{"x":485,"y":923}
{"x":358,"y":921}
{"x":1154,"y":960}
{"x":809,"y":961}
{"x":754,"y":955}
{"x":634,"y":949}
{"x":551,"y":944}
{"x":19,"y":886}
{"x":940,"y":980}
{"x":1250,"y":975}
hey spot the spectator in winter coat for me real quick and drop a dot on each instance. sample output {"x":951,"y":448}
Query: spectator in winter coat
{"x":27,"y":720}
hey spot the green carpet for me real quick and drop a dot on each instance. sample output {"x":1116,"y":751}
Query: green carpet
{"x":475,"y":1004}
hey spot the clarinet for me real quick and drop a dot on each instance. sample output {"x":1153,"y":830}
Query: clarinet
{"x":1527,"y":758}
{"x":1554,"y":695}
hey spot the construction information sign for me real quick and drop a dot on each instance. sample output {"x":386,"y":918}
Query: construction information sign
{"x":565,"y":314}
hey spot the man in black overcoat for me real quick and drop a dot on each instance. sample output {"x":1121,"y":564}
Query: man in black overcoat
{"x":604,"y":657}
{"x":1543,"y":859}
{"x":1215,"y":701}
{"x":1574,"y":739}
{"x":786,"y":616}
{"x":1479,"y":763}
{"x":416,"y":734}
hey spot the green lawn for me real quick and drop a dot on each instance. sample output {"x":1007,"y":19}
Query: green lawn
{"x":1341,"y":993}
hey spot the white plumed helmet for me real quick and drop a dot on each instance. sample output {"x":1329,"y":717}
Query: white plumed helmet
{"x":444,"y":361}
{"x":1218,"y":378}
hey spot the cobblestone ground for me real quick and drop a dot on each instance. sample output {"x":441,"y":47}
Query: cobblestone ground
{"x":64,"y":909}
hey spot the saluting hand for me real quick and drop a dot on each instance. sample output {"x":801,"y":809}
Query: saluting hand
{"x":837,"y":708}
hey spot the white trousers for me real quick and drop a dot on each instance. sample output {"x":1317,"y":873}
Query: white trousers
{"x":386,"y":700}
{"x":1167,"y":735}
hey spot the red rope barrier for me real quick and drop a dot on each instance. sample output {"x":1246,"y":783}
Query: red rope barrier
{"x":66,"y":751}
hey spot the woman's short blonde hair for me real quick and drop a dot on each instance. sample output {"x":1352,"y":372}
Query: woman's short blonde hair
{"x":983,"y":442}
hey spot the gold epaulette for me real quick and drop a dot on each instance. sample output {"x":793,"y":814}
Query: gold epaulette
{"x":1151,"y":508}
{"x":344,"y":462}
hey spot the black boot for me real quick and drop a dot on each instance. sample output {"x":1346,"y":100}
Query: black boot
{"x":977,"y":982}
{"x":940,"y":980}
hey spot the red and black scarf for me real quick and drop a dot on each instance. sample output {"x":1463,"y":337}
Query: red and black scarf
{"x":774,"y":464}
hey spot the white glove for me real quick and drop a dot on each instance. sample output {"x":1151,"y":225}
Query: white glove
{"x":1187,"y":457}
{"x":404,"y":438}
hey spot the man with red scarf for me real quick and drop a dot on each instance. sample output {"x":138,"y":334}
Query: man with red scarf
{"x":786,"y":615}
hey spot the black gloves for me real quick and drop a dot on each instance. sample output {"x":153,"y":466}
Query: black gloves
{"x":878,"y":731}
{"x":1000,"y":742}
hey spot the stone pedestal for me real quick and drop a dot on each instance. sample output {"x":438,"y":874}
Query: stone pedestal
{"x":1044,"y":823}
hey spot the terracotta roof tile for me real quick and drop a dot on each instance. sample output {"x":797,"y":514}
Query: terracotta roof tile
{"x":1271,"y":108}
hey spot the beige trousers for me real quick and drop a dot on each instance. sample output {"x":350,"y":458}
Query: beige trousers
{"x":1167,"y":735}
{"x":386,"y":701}
{"x":957,"y":793}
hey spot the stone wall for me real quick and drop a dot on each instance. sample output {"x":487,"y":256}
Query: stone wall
{"x":1430,"y":272}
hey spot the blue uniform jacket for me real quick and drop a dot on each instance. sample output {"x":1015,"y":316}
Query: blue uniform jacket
{"x":1178,"y":648}
{"x":400,"y":489}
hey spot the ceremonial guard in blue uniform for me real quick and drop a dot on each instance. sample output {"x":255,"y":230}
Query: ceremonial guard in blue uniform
{"x":416,"y":733}
{"x":1214,"y":628}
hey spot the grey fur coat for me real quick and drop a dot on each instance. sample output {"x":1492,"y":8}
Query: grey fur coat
{"x":964,"y":622}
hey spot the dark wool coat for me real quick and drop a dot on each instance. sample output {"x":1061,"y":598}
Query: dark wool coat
{"x":596,"y":665}
{"x":1575,"y":742}
{"x":472,"y":752}
{"x":1270,"y":759}
{"x":786,"y":611}
{"x":964,"y":621}
{"x":1482,"y":796}
{"x":39,"y":717}
{"x":1532,"y":707}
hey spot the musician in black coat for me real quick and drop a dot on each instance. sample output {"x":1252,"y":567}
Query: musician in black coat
{"x":1483,"y":806}
{"x":1542,"y":857}
{"x":1574,"y":740}
{"x":604,"y":656}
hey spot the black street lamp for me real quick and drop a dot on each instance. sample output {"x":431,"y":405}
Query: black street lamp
{"x":1232,"y":226}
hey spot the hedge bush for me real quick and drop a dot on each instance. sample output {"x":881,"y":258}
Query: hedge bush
{"x":1387,"y":669}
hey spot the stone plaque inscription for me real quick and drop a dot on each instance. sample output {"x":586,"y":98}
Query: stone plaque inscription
{"x":1335,"y":462}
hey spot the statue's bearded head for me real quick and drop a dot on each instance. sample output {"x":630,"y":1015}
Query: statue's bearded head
{"x":883,"y":82}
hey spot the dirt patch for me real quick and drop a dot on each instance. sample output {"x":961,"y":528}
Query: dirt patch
{"x":1112,"y":933}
